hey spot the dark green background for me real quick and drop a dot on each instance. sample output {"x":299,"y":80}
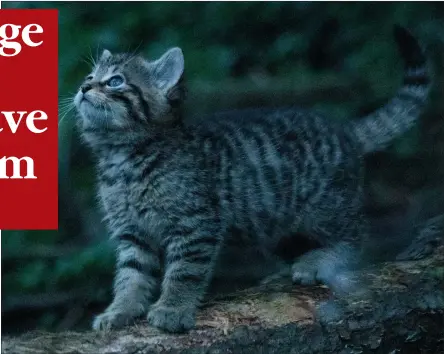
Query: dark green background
{"x":339,"y":58}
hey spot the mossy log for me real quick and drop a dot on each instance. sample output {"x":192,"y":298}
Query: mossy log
{"x":404,"y":314}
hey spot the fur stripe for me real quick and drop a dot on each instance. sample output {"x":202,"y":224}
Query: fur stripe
{"x":136,"y":241}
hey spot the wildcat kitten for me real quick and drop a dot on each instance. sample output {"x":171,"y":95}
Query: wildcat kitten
{"x":173,"y":194}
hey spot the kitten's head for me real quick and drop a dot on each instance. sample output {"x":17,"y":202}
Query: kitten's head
{"x":126,"y":91}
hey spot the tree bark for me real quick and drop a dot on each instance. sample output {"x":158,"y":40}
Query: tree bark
{"x":401,"y":311}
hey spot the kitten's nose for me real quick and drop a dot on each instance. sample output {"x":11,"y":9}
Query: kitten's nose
{"x":85,"y":87}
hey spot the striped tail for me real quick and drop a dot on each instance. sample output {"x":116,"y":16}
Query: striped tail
{"x":377,"y":130}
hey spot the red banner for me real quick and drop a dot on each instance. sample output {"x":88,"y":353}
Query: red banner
{"x":28,"y":119}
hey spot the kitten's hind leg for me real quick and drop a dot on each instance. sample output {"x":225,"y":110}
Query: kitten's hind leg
{"x":336,"y":219}
{"x":329,"y":266}
{"x":340,"y":225}
{"x":136,"y":284}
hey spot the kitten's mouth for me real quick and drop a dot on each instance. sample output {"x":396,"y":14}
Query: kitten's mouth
{"x":87,"y":102}
{"x":90,"y":109}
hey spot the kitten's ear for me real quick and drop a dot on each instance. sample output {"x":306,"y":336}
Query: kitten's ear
{"x":168,"y":70}
{"x":106,"y":54}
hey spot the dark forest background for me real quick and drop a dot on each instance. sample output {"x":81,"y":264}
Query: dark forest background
{"x":339,"y":58}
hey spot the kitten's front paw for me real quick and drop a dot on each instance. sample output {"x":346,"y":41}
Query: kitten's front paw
{"x":114,"y":319}
{"x":171,"y":319}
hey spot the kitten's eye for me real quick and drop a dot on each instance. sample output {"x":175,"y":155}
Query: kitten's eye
{"x":115,"y":81}
{"x":89,"y":77}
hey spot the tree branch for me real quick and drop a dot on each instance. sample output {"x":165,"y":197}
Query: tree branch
{"x":405,"y":313}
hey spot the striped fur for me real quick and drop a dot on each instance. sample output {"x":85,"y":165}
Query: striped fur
{"x":173,"y":193}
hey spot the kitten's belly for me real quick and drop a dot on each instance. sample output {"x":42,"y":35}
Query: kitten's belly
{"x":257,"y":225}
{"x":262,"y":207}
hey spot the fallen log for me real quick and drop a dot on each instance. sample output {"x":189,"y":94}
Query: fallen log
{"x":404,"y":313}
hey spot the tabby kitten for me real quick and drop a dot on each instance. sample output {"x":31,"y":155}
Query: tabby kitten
{"x":173,"y":194}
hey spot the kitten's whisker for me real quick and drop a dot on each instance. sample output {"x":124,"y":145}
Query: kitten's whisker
{"x":87,"y":61}
{"x":65,"y":112}
{"x":93,"y":62}
{"x":97,"y":53}
{"x":134,"y":52}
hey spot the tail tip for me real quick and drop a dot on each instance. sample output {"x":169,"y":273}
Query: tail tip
{"x":409,"y":47}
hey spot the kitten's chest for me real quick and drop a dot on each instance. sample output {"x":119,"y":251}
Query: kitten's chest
{"x":128,"y":194}
{"x":133,"y":205}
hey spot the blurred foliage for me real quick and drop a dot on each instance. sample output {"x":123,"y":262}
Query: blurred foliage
{"x":228,"y":46}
